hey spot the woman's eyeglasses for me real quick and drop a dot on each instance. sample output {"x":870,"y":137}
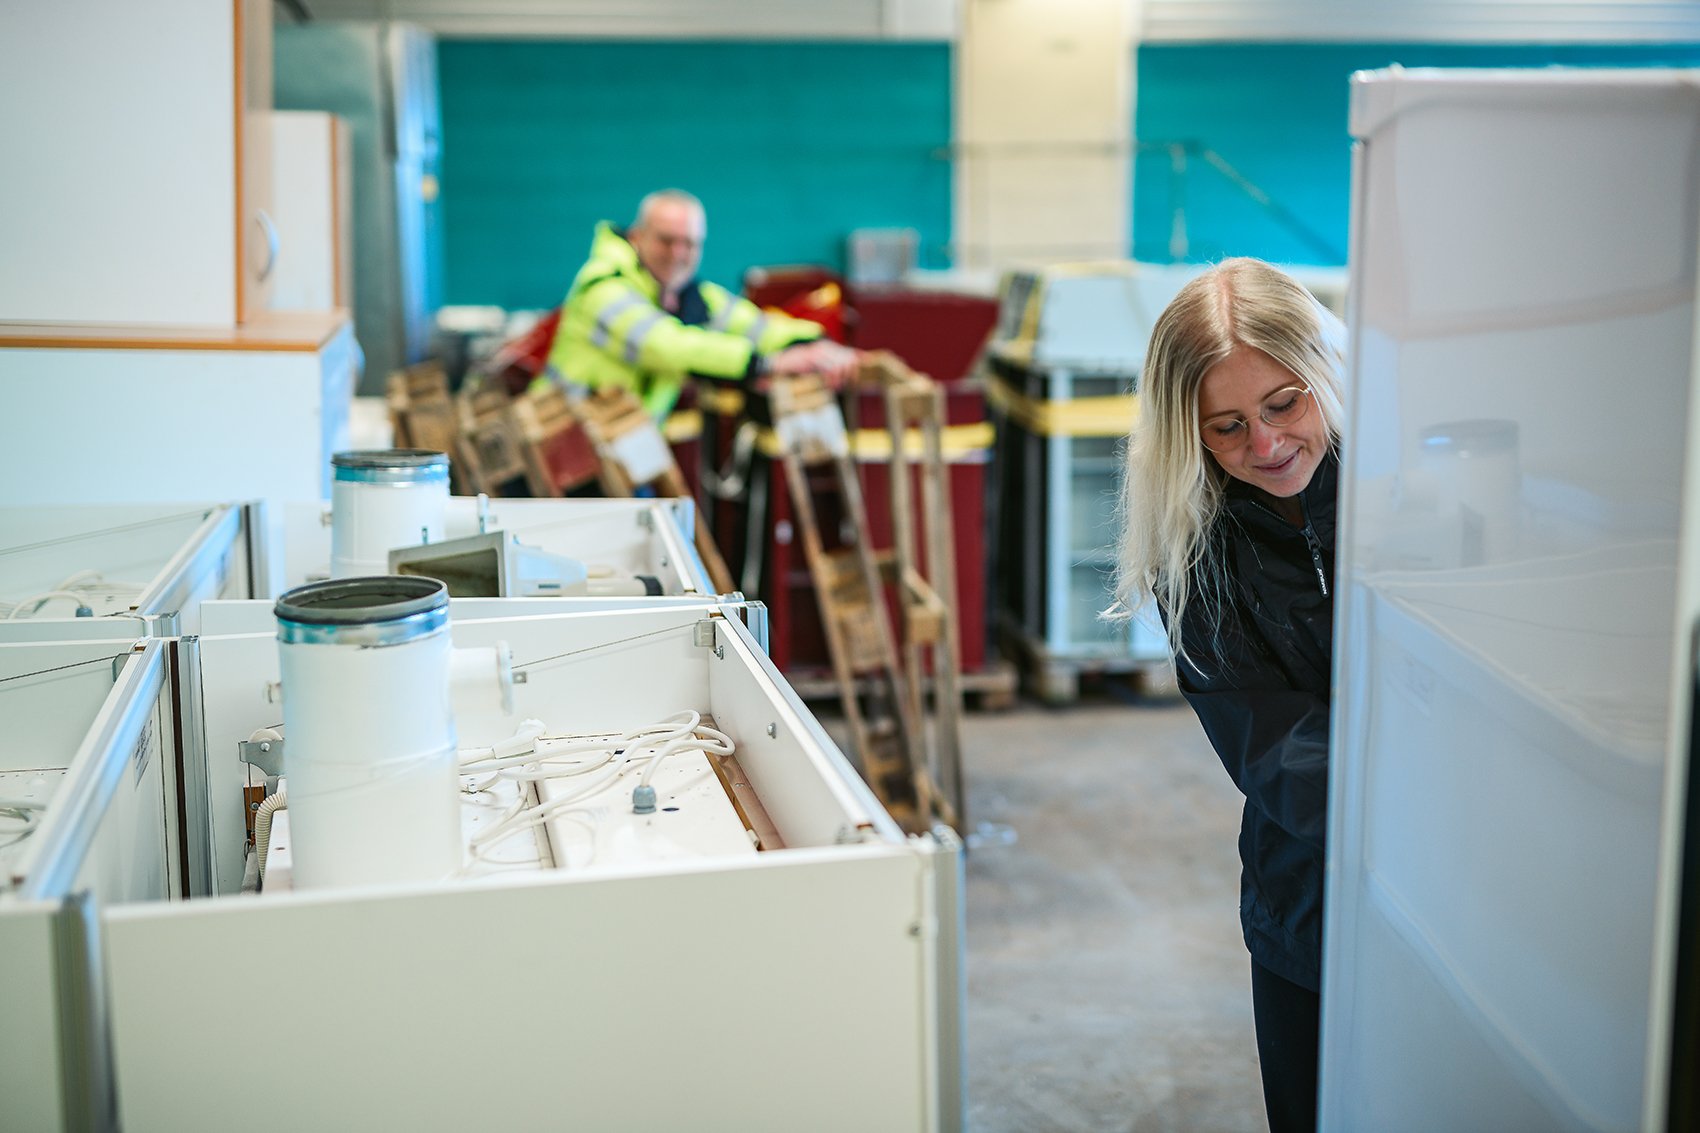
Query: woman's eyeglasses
{"x":1282,"y":408}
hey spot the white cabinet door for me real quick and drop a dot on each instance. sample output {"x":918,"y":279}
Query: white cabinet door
{"x":137,"y":161}
{"x":1523,"y":313}
{"x":311,"y":206}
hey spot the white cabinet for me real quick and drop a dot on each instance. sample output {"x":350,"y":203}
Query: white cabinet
{"x":88,"y":740}
{"x":813,"y":984}
{"x":136,"y":143}
{"x":113,"y":415}
{"x":1516,"y":568}
{"x":312,"y":205}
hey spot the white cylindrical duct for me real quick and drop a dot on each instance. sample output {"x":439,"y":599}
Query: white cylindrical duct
{"x":371,"y":756}
{"x":382,"y":499}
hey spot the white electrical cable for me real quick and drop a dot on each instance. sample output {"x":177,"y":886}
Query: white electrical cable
{"x":46,"y":596}
{"x":22,"y":811}
{"x":523,"y":741}
{"x":650,"y":745}
{"x":710,"y":741}
{"x":84,"y":587}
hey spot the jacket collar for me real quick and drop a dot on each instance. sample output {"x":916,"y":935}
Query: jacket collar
{"x":610,"y":249}
{"x":1317,"y":497}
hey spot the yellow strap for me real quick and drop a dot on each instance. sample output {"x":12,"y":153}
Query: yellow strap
{"x":682,"y":425}
{"x":958,"y":442}
{"x":727,"y":401}
{"x":1109,"y":416}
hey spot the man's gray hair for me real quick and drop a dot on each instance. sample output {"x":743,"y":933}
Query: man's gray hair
{"x":663,"y":195}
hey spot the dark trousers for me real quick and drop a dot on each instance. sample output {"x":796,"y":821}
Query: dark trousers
{"x":1289,"y":1033}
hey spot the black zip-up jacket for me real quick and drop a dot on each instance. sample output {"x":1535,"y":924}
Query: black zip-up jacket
{"x":1258,"y":674}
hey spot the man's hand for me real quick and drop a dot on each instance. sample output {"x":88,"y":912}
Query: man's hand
{"x":834,"y":362}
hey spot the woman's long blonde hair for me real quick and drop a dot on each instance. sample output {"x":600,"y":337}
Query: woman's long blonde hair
{"x":1171,"y":488}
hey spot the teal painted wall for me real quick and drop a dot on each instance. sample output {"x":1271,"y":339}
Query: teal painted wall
{"x":1278,"y":114}
{"x":789,"y":145}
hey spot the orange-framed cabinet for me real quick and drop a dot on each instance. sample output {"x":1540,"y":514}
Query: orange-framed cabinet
{"x":137,"y":151}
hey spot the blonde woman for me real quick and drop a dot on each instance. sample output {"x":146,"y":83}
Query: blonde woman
{"x":1228,"y":504}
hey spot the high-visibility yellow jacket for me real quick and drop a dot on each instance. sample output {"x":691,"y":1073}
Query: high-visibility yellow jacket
{"x":613,"y":331}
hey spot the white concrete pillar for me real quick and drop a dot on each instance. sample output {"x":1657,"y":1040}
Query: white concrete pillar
{"x":1044,"y":132}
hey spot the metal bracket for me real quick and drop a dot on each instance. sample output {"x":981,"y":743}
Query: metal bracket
{"x":267,"y":755}
{"x":702,"y":634}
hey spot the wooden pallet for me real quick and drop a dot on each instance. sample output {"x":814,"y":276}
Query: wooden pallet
{"x":558,"y":452}
{"x":633,"y":454}
{"x":873,"y":685}
{"x":492,"y":447}
{"x":423,"y":415}
{"x":923,"y":567}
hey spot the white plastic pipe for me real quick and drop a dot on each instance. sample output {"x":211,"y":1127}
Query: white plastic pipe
{"x":384,"y":499}
{"x":369,"y":728}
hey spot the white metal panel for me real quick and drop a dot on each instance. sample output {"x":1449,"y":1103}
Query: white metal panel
{"x":600,"y":672}
{"x":120,"y":197}
{"x":105,"y":836}
{"x":632,"y":536}
{"x":106,"y":827}
{"x":809,"y":789}
{"x":1504,"y":654}
{"x":770,"y":996}
{"x":242,"y":424}
{"x":29,"y":1039}
{"x":49,"y":691}
{"x":240,"y":694}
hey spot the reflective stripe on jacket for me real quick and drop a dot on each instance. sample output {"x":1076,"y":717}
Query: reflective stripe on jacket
{"x":614,"y":333}
{"x":1258,"y":673}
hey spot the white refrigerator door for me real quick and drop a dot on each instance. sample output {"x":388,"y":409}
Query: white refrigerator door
{"x":1523,"y":311}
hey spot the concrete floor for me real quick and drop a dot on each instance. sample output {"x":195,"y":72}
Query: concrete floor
{"x":1108,"y":988}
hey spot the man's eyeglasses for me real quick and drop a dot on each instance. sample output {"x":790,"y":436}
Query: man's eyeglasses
{"x":1284,"y":407}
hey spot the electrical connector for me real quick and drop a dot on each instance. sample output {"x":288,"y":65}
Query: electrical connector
{"x":643,"y":800}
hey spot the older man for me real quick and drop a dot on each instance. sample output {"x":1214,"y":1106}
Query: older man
{"x":638,"y":317}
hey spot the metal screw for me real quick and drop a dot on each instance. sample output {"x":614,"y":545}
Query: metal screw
{"x":772,"y":730}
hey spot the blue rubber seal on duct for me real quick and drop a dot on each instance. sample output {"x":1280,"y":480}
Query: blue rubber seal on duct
{"x":391,"y":466}
{"x":380,"y":610}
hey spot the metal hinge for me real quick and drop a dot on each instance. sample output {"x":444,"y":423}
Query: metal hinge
{"x":702,"y":636}
{"x":267,"y":755}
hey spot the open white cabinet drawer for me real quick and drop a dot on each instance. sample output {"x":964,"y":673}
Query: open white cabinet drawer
{"x":86,"y":745}
{"x":148,"y":566}
{"x":813,"y":986}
